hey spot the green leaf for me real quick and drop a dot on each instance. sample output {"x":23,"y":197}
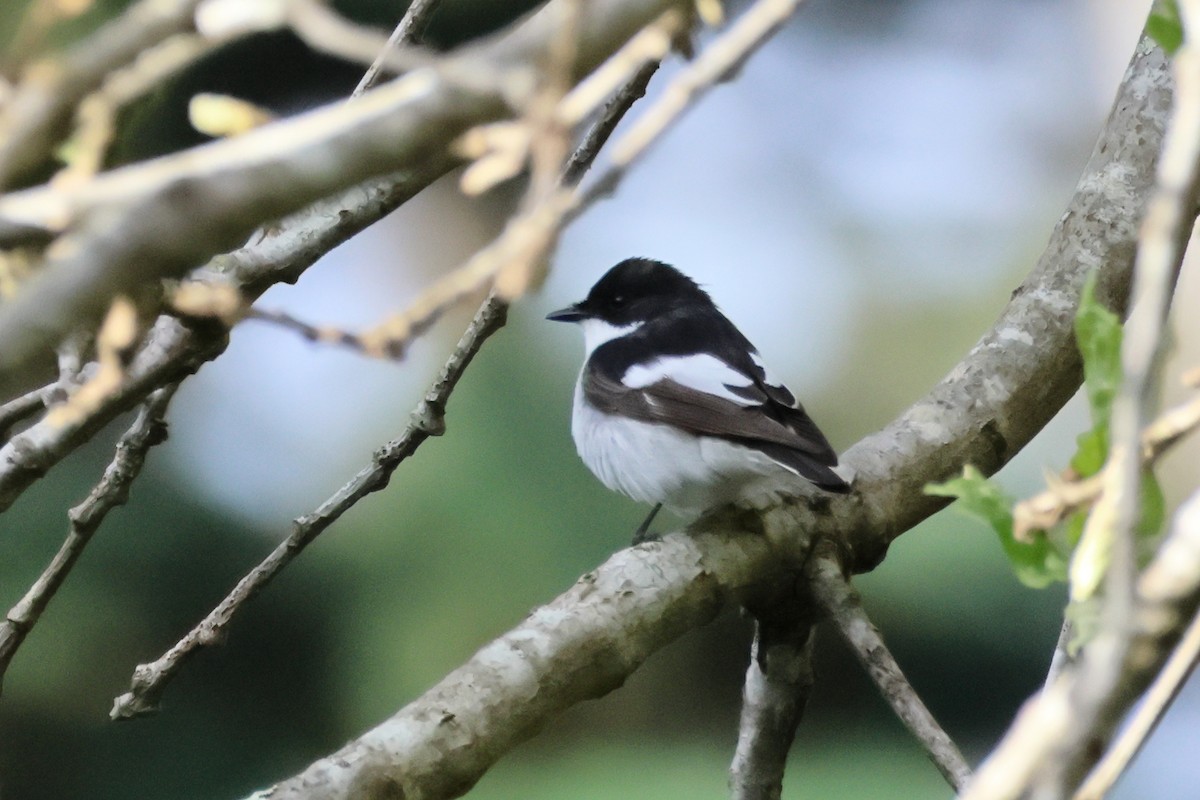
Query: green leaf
{"x":1164,"y":26}
{"x":1037,"y":563}
{"x":1098,"y":334}
{"x":1092,"y":450}
{"x":1154,"y":507}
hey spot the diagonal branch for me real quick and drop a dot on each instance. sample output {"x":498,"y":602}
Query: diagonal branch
{"x":1043,"y":741}
{"x":112,"y":491}
{"x":838,"y":599}
{"x":1060,"y":735}
{"x":1158,"y":699}
{"x":412,"y":25}
{"x":580,"y":646}
{"x":149,"y":680}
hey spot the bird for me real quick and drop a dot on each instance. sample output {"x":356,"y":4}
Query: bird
{"x":673,"y":405}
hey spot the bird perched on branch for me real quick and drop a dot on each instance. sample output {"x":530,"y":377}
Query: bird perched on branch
{"x":673,"y":405}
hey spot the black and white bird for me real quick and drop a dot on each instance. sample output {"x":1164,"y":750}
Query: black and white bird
{"x":673,"y":405}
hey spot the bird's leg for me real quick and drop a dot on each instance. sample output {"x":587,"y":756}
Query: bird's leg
{"x":641,"y":535}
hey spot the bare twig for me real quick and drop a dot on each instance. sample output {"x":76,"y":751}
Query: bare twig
{"x":411,"y":27}
{"x":1044,"y":511}
{"x":838,"y":599}
{"x":1154,"y":706}
{"x":25,"y":406}
{"x":613,"y":111}
{"x":427,"y":420}
{"x":150,"y":680}
{"x":778,"y":683}
{"x":112,"y":491}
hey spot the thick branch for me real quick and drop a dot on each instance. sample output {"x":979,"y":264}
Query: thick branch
{"x":580,"y":646}
{"x":1017,"y":377}
{"x":1060,"y":735}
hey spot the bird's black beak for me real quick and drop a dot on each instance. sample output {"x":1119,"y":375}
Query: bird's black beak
{"x":571,"y":313}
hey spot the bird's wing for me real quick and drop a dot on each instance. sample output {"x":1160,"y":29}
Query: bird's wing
{"x":704,"y":395}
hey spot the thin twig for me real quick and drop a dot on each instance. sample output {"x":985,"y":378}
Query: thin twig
{"x":411,"y":27}
{"x":841,"y":602}
{"x":614,"y":110}
{"x":1044,"y":511}
{"x":778,"y":683}
{"x":24,"y":406}
{"x":428,"y":419}
{"x":1158,"y":699}
{"x":147,"y":430}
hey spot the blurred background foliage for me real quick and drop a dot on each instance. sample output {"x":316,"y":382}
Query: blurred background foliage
{"x":861,"y":200}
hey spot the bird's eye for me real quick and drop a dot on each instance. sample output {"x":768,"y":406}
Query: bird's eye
{"x":618,"y":300}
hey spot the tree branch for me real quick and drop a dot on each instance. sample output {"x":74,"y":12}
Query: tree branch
{"x":838,"y":599}
{"x":1018,"y":376}
{"x":779,"y":681}
{"x":427,"y":419}
{"x":1060,"y":734}
{"x":580,"y":646}
{"x":112,"y":491}
{"x":411,"y":27}
{"x":1158,"y":699}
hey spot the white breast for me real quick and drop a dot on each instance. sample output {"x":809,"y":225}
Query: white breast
{"x":654,"y":463}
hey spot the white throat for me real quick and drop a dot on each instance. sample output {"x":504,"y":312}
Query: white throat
{"x":596,"y":332}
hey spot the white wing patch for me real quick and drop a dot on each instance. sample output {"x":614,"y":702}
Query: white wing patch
{"x":700,"y":371}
